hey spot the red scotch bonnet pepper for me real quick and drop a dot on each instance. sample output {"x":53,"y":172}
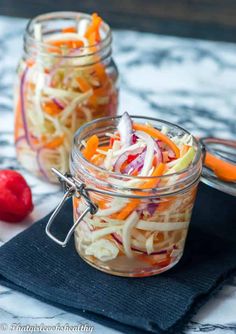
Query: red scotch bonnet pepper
{"x":15,"y":197}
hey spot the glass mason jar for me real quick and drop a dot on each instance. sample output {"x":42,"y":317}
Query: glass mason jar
{"x":60,"y":86}
{"x":135,"y":232}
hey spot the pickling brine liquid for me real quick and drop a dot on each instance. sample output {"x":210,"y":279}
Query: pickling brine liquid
{"x":65,"y":79}
{"x":153,"y":244}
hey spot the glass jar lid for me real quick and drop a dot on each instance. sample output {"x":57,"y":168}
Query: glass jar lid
{"x":219,"y":168}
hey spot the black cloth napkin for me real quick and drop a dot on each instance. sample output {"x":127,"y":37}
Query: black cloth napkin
{"x":32,"y":263}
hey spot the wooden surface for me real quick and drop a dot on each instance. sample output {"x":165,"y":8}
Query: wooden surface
{"x":208,"y":19}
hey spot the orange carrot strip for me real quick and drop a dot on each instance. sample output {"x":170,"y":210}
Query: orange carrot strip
{"x":130,"y":207}
{"x":83,"y":84}
{"x":51,"y":108}
{"x":163,"y":206}
{"x":158,"y":171}
{"x":97,"y":159}
{"x":100,"y":72}
{"x":70,"y":44}
{"x":222,"y":169}
{"x":158,"y":135}
{"x":55,"y":142}
{"x":91,"y":147}
{"x":68,"y":29}
{"x":133,"y":203}
{"x":94,"y":27}
{"x":18,"y":120}
{"x":105,"y":148}
{"x":30,"y":62}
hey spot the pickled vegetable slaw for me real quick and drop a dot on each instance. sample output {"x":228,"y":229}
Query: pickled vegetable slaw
{"x":152,"y":231}
{"x":59,"y":90}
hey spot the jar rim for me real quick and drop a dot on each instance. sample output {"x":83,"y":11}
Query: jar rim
{"x":105,"y":42}
{"x":88,"y":164}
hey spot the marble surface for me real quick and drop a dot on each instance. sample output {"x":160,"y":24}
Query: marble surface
{"x":186,"y":81}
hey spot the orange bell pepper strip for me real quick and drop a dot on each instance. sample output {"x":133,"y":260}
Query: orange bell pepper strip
{"x":158,"y":135}
{"x":222,"y":169}
{"x":91,"y":147}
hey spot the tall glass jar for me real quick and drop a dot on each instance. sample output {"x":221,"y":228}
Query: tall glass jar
{"x":64,"y":80}
{"x":149,"y":235}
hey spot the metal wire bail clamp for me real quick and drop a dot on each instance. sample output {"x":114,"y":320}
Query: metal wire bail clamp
{"x":71,"y":187}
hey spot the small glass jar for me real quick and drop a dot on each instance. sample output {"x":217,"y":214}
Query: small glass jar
{"x":135,"y":232}
{"x":60,"y":87}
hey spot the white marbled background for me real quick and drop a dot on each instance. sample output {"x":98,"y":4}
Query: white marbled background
{"x":185,"y":81}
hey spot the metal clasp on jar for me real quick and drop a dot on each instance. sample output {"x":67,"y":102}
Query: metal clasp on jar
{"x":72,"y":187}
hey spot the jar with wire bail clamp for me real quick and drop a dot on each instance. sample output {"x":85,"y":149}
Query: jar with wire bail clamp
{"x":133,"y":182}
{"x":66,"y":78}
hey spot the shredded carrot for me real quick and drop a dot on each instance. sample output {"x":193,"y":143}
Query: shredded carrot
{"x":92,"y":101}
{"x":106,"y":87}
{"x":158,"y":171}
{"x":91,"y":147}
{"x":30,"y":62}
{"x":51,"y":108}
{"x":100,"y":72}
{"x":83,"y":84}
{"x":224,"y":170}
{"x":104,"y":148}
{"x":55,"y":142}
{"x":158,"y":135}
{"x":166,"y":205}
{"x":71,"y":44}
{"x":68,"y":29}
{"x":18,"y":120}
{"x":133,"y":203}
{"x":92,"y":33}
{"x":135,"y":172}
{"x":130,"y":207}
{"x":97,"y":159}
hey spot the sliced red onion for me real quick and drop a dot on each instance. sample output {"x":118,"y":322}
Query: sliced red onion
{"x":20,"y":140}
{"x":171,"y":154}
{"x":22,"y":103}
{"x":151,"y":208}
{"x":119,"y":162}
{"x":125,"y":128}
{"x":40,"y":163}
{"x":118,"y":239}
{"x":72,"y":53}
{"x":137,"y":163}
{"x":150,"y":144}
{"x":58,"y":103}
{"x":158,"y":151}
{"x":134,"y":138}
{"x":163,"y":147}
{"x":124,"y":156}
